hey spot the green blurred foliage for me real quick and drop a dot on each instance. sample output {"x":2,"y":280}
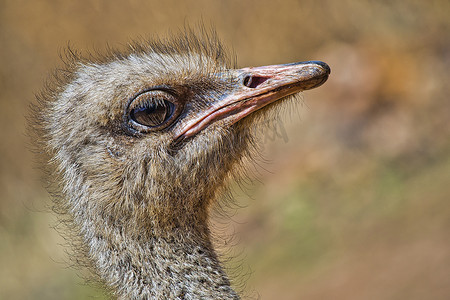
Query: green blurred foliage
{"x":355,"y":205}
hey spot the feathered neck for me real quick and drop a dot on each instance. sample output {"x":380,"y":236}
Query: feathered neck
{"x":175,"y":265}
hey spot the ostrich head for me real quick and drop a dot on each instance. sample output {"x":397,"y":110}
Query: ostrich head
{"x":141,"y":144}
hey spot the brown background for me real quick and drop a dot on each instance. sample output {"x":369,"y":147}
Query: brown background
{"x":355,"y":202}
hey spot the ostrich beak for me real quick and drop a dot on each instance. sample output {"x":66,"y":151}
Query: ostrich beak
{"x":257,"y":87}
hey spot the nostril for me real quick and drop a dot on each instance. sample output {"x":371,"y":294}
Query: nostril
{"x":247,"y":80}
{"x":253,"y":81}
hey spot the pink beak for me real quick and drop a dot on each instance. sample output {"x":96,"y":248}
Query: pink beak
{"x":259,"y":86}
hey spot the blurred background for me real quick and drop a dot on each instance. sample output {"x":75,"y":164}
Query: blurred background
{"x":354,"y":201}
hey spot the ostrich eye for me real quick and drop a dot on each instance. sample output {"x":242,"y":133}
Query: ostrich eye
{"x":152,"y":114}
{"x":152,"y":110}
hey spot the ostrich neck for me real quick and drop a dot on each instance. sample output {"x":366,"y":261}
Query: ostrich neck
{"x":145,"y":231}
{"x":176,"y":264}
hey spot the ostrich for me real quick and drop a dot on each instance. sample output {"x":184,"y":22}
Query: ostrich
{"x":139,"y":146}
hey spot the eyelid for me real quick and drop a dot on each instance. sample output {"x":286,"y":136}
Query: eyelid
{"x":159,"y":94}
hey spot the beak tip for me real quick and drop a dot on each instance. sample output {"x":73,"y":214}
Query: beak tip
{"x":325,"y":67}
{"x":316,"y":74}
